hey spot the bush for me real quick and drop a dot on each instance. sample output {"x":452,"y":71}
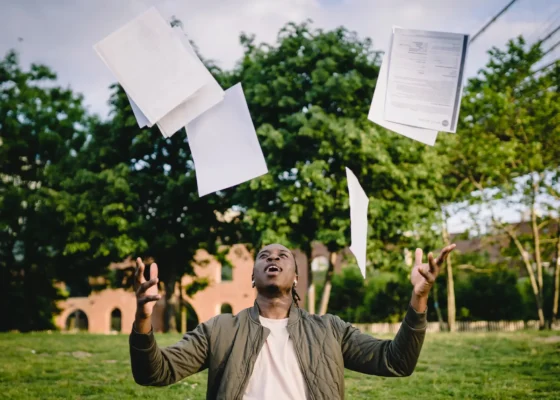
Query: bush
{"x":490,"y":296}
{"x":524,"y":287}
{"x":384,"y":296}
{"x":347,"y":295}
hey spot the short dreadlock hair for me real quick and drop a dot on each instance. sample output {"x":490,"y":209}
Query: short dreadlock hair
{"x":295,"y":295}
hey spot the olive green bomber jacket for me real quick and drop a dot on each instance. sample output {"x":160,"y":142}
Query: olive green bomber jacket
{"x":228,"y":345}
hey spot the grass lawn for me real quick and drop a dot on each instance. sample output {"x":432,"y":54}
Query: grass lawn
{"x":523,"y":365}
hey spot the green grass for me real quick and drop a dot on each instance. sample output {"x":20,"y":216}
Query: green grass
{"x":523,"y":365}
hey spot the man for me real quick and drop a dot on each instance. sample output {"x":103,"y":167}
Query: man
{"x":275,"y":350}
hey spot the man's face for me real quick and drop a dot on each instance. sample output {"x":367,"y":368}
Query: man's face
{"x":274,"y":269}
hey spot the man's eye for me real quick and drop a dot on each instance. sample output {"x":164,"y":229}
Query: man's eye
{"x":284,"y":255}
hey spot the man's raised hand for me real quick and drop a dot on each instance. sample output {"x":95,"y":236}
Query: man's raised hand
{"x":146,"y":291}
{"x":424,"y":275}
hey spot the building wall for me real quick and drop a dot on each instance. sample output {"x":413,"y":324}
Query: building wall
{"x":98,"y":308}
{"x":238,"y":293}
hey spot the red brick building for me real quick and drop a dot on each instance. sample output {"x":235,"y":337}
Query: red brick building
{"x":112,"y":310}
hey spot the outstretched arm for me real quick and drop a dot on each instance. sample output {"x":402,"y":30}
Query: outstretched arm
{"x":154,"y":366}
{"x":397,"y":357}
{"x":391,"y":358}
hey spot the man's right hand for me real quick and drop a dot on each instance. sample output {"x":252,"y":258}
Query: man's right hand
{"x":146,"y":296}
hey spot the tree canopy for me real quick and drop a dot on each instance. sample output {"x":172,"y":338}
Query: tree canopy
{"x":78,"y":193}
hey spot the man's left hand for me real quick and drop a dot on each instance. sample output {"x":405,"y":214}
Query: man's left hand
{"x":424,"y":275}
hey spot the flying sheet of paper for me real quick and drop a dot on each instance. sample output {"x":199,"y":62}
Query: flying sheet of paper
{"x":425,"y":78}
{"x":206,"y":97}
{"x":224,"y":144}
{"x":377,"y":111}
{"x":140,"y":118}
{"x":151,"y":64}
{"x":358,"y":220}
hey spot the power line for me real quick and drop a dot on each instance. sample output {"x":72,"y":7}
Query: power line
{"x":544,"y":27}
{"x":503,"y":10}
{"x":555,"y":45}
{"x":550,"y":35}
{"x":545,"y":67}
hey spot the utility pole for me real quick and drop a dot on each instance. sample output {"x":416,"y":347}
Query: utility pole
{"x":503,"y":10}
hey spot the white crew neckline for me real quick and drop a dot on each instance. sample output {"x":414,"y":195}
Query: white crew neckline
{"x":273,"y":320}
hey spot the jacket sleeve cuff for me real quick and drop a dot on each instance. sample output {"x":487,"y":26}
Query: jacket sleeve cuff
{"x":415,"y":319}
{"x":142,"y":341}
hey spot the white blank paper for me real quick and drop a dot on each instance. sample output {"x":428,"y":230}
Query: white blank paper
{"x":358,"y":220}
{"x":140,"y":118}
{"x":224,"y":145}
{"x":377,"y":111}
{"x":206,"y":97}
{"x":151,"y":64}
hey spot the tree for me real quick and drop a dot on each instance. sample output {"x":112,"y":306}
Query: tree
{"x":507,"y":145}
{"x":165,"y":214}
{"x":139,"y":190}
{"x":309,"y":95}
{"x":78,"y":193}
{"x":553,"y":191}
{"x":60,"y":222}
{"x":42,"y":128}
{"x":556,"y":300}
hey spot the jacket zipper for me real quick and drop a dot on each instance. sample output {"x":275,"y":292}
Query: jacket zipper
{"x":244,"y":379}
{"x":249,"y":363}
{"x":309,"y":392}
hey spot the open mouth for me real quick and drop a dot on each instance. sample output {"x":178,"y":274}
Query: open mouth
{"x":272,"y":268}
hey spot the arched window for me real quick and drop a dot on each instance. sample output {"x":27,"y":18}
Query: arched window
{"x":116,"y":320}
{"x":77,"y":321}
{"x":227,"y":272}
{"x":226,"y":309}
{"x":320,"y":264}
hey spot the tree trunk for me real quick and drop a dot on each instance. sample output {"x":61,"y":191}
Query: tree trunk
{"x":536,"y":292}
{"x":310,"y":285}
{"x":328,"y":284}
{"x":170,"y":322}
{"x":451,"y":309}
{"x":182,"y":308}
{"x":531,"y":273}
{"x":438,"y":310}
{"x":556,"y":279}
{"x":311,"y":298}
{"x":183,"y":318}
{"x":536,"y":240}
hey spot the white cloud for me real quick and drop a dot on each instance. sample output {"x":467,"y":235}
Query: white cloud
{"x":215,"y":25}
{"x":61,"y":33}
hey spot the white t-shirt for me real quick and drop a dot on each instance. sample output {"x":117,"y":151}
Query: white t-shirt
{"x":276,"y":374}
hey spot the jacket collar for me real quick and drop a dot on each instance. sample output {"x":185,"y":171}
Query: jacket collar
{"x":293,"y":316}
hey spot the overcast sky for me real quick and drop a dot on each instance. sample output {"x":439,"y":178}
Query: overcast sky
{"x":61,"y":33}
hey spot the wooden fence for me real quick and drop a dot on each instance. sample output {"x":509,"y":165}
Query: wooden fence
{"x":474,"y":326}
